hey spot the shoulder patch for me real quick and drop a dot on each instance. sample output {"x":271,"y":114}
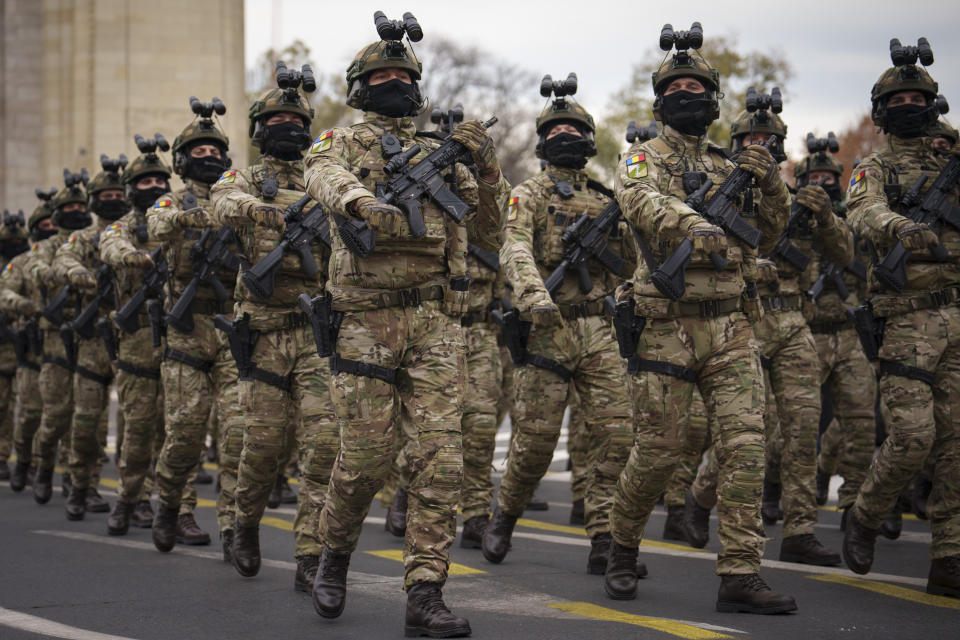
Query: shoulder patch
{"x":162,"y":204}
{"x":34,"y":247}
{"x":227,"y":177}
{"x":637,"y":166}
{"x":857,"y":185}
{"x":112,"y":230}
{"x":323,"y":142}
{"x":513,"y":205}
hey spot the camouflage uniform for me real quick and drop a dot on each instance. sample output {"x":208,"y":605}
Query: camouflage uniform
{"x":404,"y":321}
{"x":696,"y":442}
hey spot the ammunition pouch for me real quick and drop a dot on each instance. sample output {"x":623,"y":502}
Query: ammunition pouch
{"x":191,"y":361}
{"x":456,"y":296}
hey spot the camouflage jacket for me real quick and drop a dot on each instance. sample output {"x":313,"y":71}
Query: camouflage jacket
{"x":829,"y":307}
{"x":650,"y":190}
{"x":127,"y":235}
{"x":873,"y":199}
{"x":15,"y":285}
{"x":81,"y":253}
{"x":163,"y":225}
{"x":537,"y":215}
{"x":346,"y":164}
{"x":233,"y":196}
{"x":40,"y":271}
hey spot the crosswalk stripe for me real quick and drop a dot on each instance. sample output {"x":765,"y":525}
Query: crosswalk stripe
{"x":49,"y":628}
{"x":454,"y":570}
{"x":671,"y":627}
{"x":894,"y":591}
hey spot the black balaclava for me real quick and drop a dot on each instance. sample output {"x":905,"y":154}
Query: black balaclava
{"x":207,"y":169}
{"x":687,"y":112}
{"x":908,"y":120}
{"x":285,"y":140}
{"x":110,"y":209}
{"x":393,"y":98}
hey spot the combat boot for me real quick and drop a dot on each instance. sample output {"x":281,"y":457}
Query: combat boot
{"x":673,"y":527}
{"x":858,"y":545}
{"x":806,"y":549}
{"x":577,"y":512}
{"x":18,"y":479}
{"x":226,"y":542}
{"x":748,"y":593}
{"x":472,"y":536}
{"x":245,"y":553}
{"x":330,"y":585}
{"x":770,"y":508}
{"x":844,"y":517}
{"x":95,"y":502}
{"x":696,"y":522}
{"x":427,"y":615}
{"x":4,"y":470}
{"x":165,"y":528}
{"x":396,"y":522}
{"x":306,"y":573}
{"x":119,"y":520}
{"x":202,"y":476}
{"x":823,"y":486}
{"x":599,"y":551}
{"x":275,"y":494}
{"x":537,"y":504}
{"x":944,"y":578}
{"x":43,"y":485}
{"x":892,"y":525}
{"x":918,"y":498}
{"x":287,"y":494}
{"x":496,"y":537}
{"x":66,"y":483}
{"x":190,"y":533}
{"x":76,"y":504}
{"x":620,"y":579}
{"x":142,"y":515}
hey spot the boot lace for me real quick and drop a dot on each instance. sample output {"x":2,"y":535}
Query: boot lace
{"x":754,"y":582}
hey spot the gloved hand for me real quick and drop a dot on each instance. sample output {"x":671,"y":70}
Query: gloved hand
{"x":474,"y":137}
{"x":268,"y":215}
{"x":706,"y":237}
{"x":546,"y":314}
{"x":384,"y":218}
{"x":193,"y":219}
{"x":27,"y":307}
{"x":757,"y":160}
{"x":138,"y":260}
{"x":813,"y":197}
{"x":766,"y":270}
{"x":83,"y":280}
{"x":915,"y":236}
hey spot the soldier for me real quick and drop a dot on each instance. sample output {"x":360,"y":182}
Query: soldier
{"x":570,"y":338}
{"x":694,"y":335}
{"x":400,"y":342}
{"x":696,"y":443}
{"x":77,"y":261}
{"x":13,"y":242}
{"x":284,"y":384}
{"x":21,"y":297}
{"x":126,"y":246}
{"x":197,"y":368}
{"x":56,"y":373}
{"x":919,"y":354}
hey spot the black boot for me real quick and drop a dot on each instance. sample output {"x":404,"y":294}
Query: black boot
{"x":306,"y":573}
{"x":18,"y":479}
{"x":673,"y":527}
{"x":245,"y":553}
{"x":66,"y":483}
{"x":190,"y":533}
{"x":620,"y":579}
{"x":496,"y":537}
{"x":858,"y":545}
{"x":641,"y":569}
{"x":696,"y":522}
{"x":944,"y":578}
{"x":599,"y":553}
{"x":396,"y":522}
{"x":427,"y":615}
{"x":748,"y":593}
{"x":823,"y":486}
{"x":275,"y":494}
{"x":844,"y":517}
{"x":165,"y":528}
{"x":202,"y":476}
{"x":226,"y":541}
{"x":330,"y":585}
{"x":95,"y":502}
{"x":76,"y":504}
{"x":118,"y":522}
{"x":806,"y":549}
{"x":770,"y":509}
{"x":472,"y":536}
{"x":577,"y":512}
{"x":4,"y":470}
{"x":142,"y":515}
{"x":43,"y":485}
{"x":918,"y":499}
{"x":537,"y":504}
{"x":892,"y":525}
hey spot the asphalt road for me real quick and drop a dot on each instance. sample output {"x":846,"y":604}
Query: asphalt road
{"x":71,"y":580}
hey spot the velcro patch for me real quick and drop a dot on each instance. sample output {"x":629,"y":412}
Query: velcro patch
{"x":513,"y":205}
{"x":637,"y":166}
{"x":857,"y":184}
{"x":228,"y":177}
{"x":162,"y":204}
{"x":323,"y":142}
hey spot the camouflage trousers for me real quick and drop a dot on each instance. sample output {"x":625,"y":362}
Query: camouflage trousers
{"x":56,"y":391}
{"x":189,"y":394}
{"x":91,"y":386}
{"x":229,"y":446}
{"x":141,"y":401}
{"x":922,"y":419}
{"x":723,"y":353}
{"x":586,"y":347}
{"x":846,"y":447}
{"x":8,"y":373}
{"x":425,"y":347}
{"x":271,"y":417}
{"x":29,"y":413}
{"x":696,"y":441}
{"x":578,"y":446}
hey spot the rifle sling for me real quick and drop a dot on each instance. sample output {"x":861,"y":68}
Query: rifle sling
{"x":191,"y":361}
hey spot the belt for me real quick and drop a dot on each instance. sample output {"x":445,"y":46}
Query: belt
{"x":830,"y":327}
{"x":893,"y":305}
{"x":60,"y":362}
{"x":581,"y":310}
{"x":187,"y":359}
{"x":92,"y":375}
{"x":140,"y":372}
{"x":408,"y":298}
{"x":781,"y":303}
{"x":474,"y":317}
{"x":206,"y":307}
{"x":706,"y":308}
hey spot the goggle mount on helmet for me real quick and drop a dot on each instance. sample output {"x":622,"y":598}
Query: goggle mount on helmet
{"x":113,"y":165}
{"x":148,"y":146}
{"x":641,"y":134}
{"x":393,"y":31}
{"x":289,"y":79}
{"x":71,"y":180}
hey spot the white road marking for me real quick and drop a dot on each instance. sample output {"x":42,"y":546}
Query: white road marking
{"x":49,"y":628}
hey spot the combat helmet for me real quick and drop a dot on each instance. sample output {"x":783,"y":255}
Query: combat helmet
{"x":941,"y":129}
{"x":286,"y":98}
{"x":564,"y":109}
{"x":148,"y":163}
{"x":108,"y":177}
{"x":685,"y":64}
{"x":73,"y":192}
{"x":202,"y":129}
{"x":820,"y":158}
{"x":905,"y":75}
{"x":43,"y":209}
{"x":388,"y":53}
{"x":762,"y":115}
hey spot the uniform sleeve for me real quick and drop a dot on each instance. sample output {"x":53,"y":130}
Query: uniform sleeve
{"x":116,"y":242}
{"x":773,"y":212}
{"x":485,"y":229}
{"x":869,"y":214}
{"x":834,"y":241}
{"x":162,"y":218}
{"x":516,"y":254}
{"x":68,"y":260}
{"x":11,"y":284}
{"x":327,"y":172}
{"x":232,"y":198}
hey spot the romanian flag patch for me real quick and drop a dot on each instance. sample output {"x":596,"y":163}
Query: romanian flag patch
{"x":513,"y":205}
{"x":637,"y":166}
{"x":112,"y":230}
{"x":323,"y":142}
{"x":857,"y":184}
{"x":229,"y":176}
{"x":34,"y":247}
{"x":162,"y":204}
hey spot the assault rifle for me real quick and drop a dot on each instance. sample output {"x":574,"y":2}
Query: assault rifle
{"x":53,"y":312}
{"x":586,"y":239}
{"x":85,"y":322}
{"x":207,"y":261}
{"x":830,"y":272}
{"x":127,"y":316}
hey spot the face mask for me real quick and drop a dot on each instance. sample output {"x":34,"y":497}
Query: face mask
{"x":143,"y":199}
{"x":74,"y":220}
{"x":206,"y":170}
{"x":285,"y":140}
{"x":110,"y":209}
{"x":43,"y":234}
{"x":566,"y":150}
{"x":908,"y":120}
{"x":393,"y":98}
{"x":687,"y":112}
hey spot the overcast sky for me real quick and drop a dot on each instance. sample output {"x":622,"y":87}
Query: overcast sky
{"x":837,"y":49}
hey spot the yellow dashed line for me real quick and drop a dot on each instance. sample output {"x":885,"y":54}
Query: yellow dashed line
{"x":455,"y":569}
{"x":580,"y":531}
{"x":894,"y":591}
{"x":278,"y":523}
{"x":678,"y":629}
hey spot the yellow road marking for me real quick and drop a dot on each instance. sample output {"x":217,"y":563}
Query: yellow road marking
{"x":678,"y":629}
{"x":110,"y":482}
{"x":455,"y":569}
{"x":278,"y":523}
{"x":580,"y":531}
{"x":891,"y":590}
